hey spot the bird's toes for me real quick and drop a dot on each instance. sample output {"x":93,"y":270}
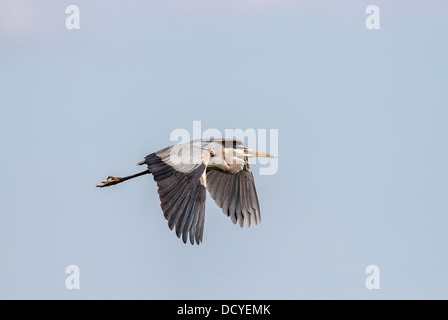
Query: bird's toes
{"x":105,"y":183}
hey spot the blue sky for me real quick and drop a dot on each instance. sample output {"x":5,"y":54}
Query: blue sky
{"x":361,"y":116}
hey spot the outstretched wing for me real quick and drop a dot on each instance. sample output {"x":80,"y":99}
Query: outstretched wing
{"x":181,"y":187}
{"x":235,"y":194}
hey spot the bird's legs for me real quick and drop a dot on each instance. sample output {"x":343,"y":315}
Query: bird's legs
{"x":112,"y":180}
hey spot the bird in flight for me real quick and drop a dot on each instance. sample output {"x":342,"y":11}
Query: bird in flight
{"x":184,"y":172}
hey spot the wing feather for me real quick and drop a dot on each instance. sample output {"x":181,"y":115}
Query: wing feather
{"x":181,"y":191}
{"x":235,"y":194}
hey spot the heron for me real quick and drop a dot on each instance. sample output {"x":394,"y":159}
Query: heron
{"x":183,"y":172}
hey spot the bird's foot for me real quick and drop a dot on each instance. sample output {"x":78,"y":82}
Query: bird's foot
{"x":109,"y":182}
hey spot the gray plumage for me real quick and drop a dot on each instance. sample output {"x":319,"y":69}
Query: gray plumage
{"x":184,"y":172}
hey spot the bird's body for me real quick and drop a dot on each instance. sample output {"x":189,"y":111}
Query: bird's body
{"x":184,"y":172}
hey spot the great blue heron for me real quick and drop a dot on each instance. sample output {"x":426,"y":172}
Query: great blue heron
{"x":184,"y":171}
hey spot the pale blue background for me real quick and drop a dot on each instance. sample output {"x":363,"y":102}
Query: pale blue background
{"x":362,"y":119}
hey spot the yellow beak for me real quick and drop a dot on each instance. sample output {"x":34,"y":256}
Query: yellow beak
{"x":249,"y":153}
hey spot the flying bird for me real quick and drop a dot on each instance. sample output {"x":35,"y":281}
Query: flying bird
{"x":184,"y":172}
